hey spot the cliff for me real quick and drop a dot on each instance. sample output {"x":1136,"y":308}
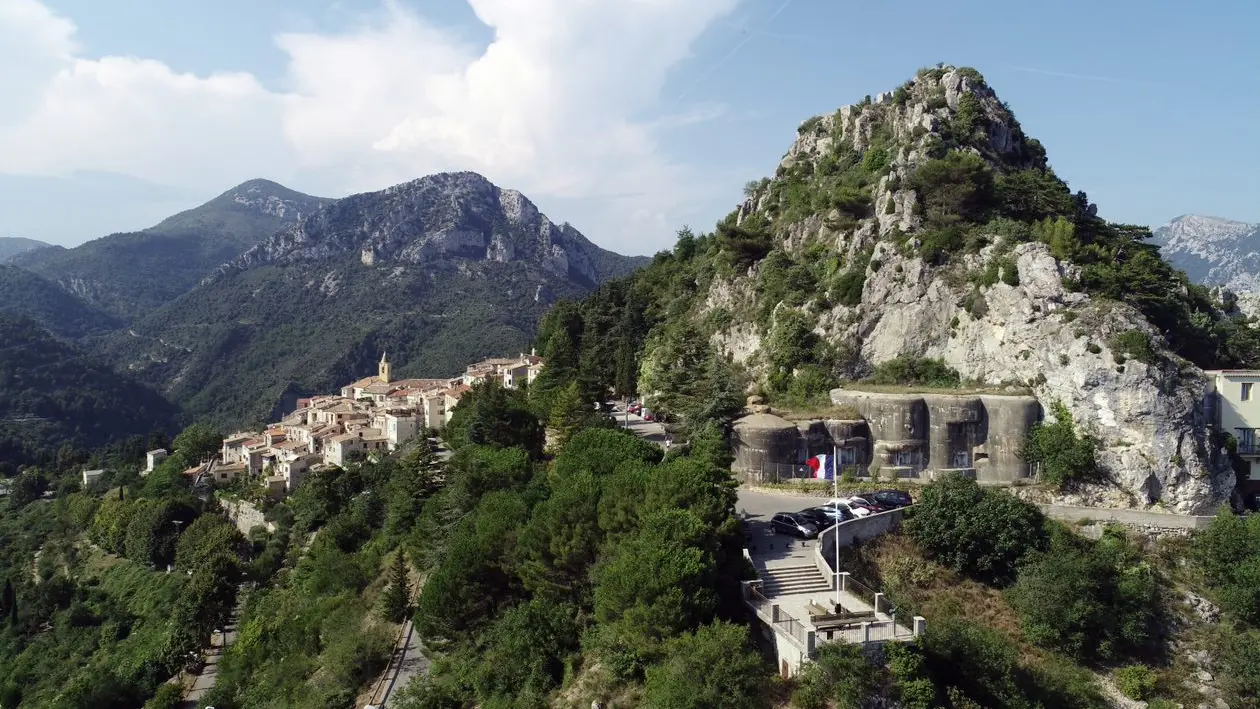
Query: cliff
{"x":923,"y":223}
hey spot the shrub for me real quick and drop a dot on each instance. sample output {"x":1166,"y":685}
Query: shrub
{"x":852,"y":201}
{"x":1090,"y":601}
{"x":1064,"y":456}
{"x":809,"y":125}
{"x":712,"y":667}
{"x":916,"y":371}
{"x":1136,"y":345}
{"x":1136,"y":681}
{"x":957,"y":187}
{"x":839,"y":677}
{"x":980,"y":532}
{"x":936,"y":245}
{"x":849,"y":287}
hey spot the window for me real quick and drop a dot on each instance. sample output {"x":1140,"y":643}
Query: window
{"x":1246,"y":391}
{"x":962,"y":459}
{"x":848,"y":456}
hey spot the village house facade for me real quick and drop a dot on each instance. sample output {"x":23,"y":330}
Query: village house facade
{"x":372,"y":416}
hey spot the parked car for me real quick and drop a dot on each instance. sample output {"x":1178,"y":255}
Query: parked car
{"x":891,"y":499}
{"x":849,"y":506}
{"x":635,"y":407}
{"x":869,"y":504}
{"x":647,"y":415}
{"x":794,"y":523}
{"x":824,"y":517}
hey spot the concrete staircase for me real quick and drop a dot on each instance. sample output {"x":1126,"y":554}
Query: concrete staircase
{"x":791,"y":580}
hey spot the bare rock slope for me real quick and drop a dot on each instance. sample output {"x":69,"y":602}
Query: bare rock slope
{"x":978,"y":276}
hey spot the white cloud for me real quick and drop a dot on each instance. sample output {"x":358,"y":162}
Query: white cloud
{"x":560,"y":104}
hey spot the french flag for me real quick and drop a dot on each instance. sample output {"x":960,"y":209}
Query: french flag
{"x":823,"y":465}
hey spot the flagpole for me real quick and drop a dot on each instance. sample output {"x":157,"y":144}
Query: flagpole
{"x":835,"y":493}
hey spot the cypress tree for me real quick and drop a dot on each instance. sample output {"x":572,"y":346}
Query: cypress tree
{"x":398,"y":595}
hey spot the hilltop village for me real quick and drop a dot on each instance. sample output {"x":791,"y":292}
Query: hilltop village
{"x":373,"y":415}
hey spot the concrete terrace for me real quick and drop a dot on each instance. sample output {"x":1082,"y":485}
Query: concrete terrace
{"x":801,"y":602}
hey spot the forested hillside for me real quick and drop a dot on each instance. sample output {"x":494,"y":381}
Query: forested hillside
{"x":23,"y":293}
{"x":439,"y":272}
{"x":53,"y":395}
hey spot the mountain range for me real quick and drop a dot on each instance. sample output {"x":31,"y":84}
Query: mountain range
{"x":130,"y":274}
{"x":11,"y":246}
{"x":1213,"y":251}
{"x":235,"y":308}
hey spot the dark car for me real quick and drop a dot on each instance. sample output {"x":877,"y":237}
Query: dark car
{"x":892,"y":499}
{"x":824,"y":517}
{"x":794,"y":523}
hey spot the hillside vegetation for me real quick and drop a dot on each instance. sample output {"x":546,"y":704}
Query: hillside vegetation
{"x":925,"y":231}
{"x":53,"y":395}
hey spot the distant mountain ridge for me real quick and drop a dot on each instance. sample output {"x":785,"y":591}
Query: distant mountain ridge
{"x":437,"y":271}
{"x":11,"y":246}
{"x":26,"y":294}
{"x":1213,"y":251}
{"x":460,"y":214}
{"x":131,"y":274}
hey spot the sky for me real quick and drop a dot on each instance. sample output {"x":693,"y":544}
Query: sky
{"x":625,"y":118}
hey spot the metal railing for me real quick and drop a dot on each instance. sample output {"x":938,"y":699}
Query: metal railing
{"x":859,"y":633}
{"x":792,"y":627}
{"x":785,"y":472}
{"x":759,"y":602}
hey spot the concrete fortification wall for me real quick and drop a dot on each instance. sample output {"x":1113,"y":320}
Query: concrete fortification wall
{"x":904,"y":434}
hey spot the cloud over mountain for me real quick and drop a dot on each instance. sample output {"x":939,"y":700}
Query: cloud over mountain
{"x":563,"y":103}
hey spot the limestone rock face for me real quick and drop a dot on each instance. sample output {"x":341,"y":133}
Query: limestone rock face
{"x":1147,"y":417}
{"x":449,"y":215}
{"x":1027,"y":329}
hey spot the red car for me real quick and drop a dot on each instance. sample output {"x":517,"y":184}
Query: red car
{"x":647,"y":415}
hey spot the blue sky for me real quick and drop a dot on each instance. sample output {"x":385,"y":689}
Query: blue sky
{"x":626,"y":123}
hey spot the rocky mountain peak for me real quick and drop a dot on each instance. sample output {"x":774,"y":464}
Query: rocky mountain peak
{"x":923,"y":223}
{"x":451,"y":215}
{"x":1213,"y":251}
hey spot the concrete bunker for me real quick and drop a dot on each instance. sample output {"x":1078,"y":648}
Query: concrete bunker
{"x":907,"y":435}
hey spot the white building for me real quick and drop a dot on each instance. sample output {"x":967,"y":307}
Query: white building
{"x":153,"y":458}
{"x":1232,"y":404}
{"x":91,"y":476}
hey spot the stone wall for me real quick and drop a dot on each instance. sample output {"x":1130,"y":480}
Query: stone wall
{"x":245,"y":515}
{"x":1153,"y":523}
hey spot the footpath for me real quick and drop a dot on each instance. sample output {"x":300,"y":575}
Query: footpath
{"x":220,"y":642}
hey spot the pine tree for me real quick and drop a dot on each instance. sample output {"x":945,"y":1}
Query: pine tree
{"x":398,"y":596}
{"x":8,"y":602}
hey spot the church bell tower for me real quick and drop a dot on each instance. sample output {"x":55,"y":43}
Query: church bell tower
{"x":383,"y":369}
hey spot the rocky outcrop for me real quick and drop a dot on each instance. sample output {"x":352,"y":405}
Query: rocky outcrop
{"x":1024,"y":328}
{"x":445,"y":216}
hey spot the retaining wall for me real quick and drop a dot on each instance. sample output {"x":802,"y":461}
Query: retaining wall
{"x":1139,"y":519}
{"x":860,"y":529}
{"x":245,"y":515}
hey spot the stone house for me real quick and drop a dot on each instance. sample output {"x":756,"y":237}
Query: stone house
{"x":364,"y":440}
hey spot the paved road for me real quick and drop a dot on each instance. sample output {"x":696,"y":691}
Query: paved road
{"x":408,"y":663}
{"x":650,"y":430}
